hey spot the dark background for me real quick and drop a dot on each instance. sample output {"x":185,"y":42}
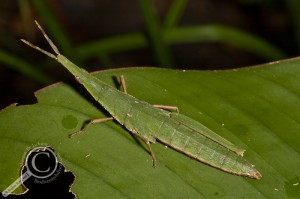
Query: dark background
{"x":276,"y":21}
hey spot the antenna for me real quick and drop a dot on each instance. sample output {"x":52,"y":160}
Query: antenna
{"x":48,"y":40}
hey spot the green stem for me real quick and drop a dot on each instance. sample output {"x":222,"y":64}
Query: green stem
{"x":161,"y":50}
{"x":175,"y":12}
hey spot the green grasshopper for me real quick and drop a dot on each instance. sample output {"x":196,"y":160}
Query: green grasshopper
{"x":155,"y":122}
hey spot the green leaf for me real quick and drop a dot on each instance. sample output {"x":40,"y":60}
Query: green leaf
{"x":256,"y":108}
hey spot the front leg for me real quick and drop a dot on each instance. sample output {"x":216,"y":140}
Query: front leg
{"x":170,"y":108}
{"x":99,"y":120}
{"x":95,"y":121}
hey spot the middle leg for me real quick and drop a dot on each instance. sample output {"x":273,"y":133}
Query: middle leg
{"x":95,"y":121}
{"x":170,"y":108}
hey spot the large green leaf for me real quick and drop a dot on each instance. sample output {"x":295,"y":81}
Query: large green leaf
{"x":256,"y":108}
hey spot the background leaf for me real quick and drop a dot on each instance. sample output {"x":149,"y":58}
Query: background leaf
{"x":255,"y":108}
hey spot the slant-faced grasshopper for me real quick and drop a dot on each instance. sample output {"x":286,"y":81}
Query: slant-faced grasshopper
{"x":151,"y":123}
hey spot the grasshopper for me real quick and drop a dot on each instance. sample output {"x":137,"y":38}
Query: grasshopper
{"x":162,"y":124}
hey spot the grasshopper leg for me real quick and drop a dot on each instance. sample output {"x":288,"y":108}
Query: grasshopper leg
{"x":123,"y":83}
{"x":170,"y":108}
{"x":148,"y":144}
{"x":152,"y":154}
{"x":95,"y":121}
{"x":100,"y":120}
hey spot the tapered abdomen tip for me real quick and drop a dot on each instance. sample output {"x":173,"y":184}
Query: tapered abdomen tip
{"x":256,"y":175}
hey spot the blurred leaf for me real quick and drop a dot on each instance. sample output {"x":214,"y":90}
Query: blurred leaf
{"x":22,"y":66}
{"x":182,"y":35}
{"x":224,"y":34}
{"x":175,"y":12}
{"x":154,"y":28}
{"x":256,"y":108}
{"x":115,"y":44}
